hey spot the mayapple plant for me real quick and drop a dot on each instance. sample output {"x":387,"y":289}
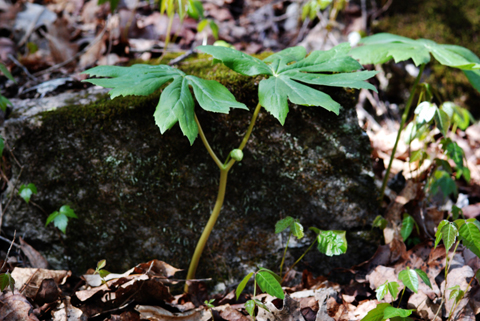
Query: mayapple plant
{"x":286,"y":77}
{"x":382,"y":47}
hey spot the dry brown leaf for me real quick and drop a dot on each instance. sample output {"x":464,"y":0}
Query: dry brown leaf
{"x":364,"y":307}
{"x":230,"y":314}
{"x":471,"y":211}
{"x":67,"y":312}
{"x":96,"y":280}
{"x":31,"y":279}
{"x":289,"y":312}
{"x":94,"y":53}
{"x":48,"y":292}
{"x":155,"y":313}
{"x":58,"y":37}
{"x":396,"y":208}
{"x":36,"y":259}
{"x":16,"y":307}
{"x":156,"y":268}
{"x":423,"y":306}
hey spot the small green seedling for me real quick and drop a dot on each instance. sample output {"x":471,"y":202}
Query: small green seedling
{"x":26,"y":191}
{"x":6,"y":280}
{"x":296,"y":229}
{"x":379,"y":222}
{"x":101,"y":271}
{"x":60,"y":218}
{"x":209,"y":304}
{"x":466,"y":231}
{"x":268,"y":282}
{"x":384,"y":311}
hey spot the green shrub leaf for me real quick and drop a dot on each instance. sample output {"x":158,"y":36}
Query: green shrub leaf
{"x":176,"y":102}
{"x":260,"y":304}
{"x":6,"y":280}
{"x":382,"y":291}
{"x":425,"y":112}
{"x":469,"y":234}
{"x":250,"y":307}
{"x":407,"y":226}
{"x":332,"y":242}
{"x":442,"y":121}
{"x":409,"y":278}
{"x":289,"y":71}
{"x":297,"y":230}
{"x":393,"y":289}
{"x":377,"y":313}
{"x":449,"y":235}
{"x":268,"y":283}
{"x":241,"y":285}
{"x":379,"y":222}
{"x":26,"y":191}
{"x":391,"y":312}
{"x":5,"y":71}
{"x":283,"y":224}
{"x":424,"y":277}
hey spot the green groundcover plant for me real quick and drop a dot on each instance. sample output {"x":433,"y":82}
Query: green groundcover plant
{"x":383,"y":47}
{"x":288,"y":76}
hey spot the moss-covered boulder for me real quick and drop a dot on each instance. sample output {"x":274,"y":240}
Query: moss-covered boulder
{"x":140,"y":195}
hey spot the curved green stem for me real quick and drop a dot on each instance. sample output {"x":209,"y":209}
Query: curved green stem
{"x":401,"y":296}
{"x":207,"y":145}
{"x":247,"y":134}
{"x":402,"y":123}
{"x":300,"y":258}
{"x":285,"y":253}
{"x":209,"y":227}
{"x":221,"y":192}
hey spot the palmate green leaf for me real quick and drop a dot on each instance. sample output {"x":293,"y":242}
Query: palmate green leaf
{"x":332,"y":243}
{"x":176,"y":103}
{"x":469,"y":234}
{"x":382,"y":47}
{"x":289,"y":73}
{"x":242,"y":284}
{"x":283,"y":224}
{"x":472,"y":75}
{"x":268,"y":283}
{"x":409,"y":278}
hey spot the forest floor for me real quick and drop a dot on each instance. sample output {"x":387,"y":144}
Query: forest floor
{"x":47,"y":44}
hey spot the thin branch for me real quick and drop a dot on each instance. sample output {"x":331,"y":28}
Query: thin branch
{"x":8,"y":252}
{"x":25,"y":70}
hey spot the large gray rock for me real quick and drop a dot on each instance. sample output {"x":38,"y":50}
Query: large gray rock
{"x":141,"y":195}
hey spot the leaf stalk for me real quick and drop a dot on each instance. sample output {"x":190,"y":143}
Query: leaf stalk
{"x":402,"y":123}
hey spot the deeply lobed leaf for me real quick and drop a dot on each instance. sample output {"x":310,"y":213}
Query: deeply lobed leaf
{"x":176,"y":103}
{"x":288,"y":71}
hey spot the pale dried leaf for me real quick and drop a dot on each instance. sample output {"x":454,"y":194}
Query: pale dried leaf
{"x":34,"y":278}
{"x":16,"y":307}
{"x":459,"y":276}
{"x":36,"y":259}
{"x":423,"y":306}
{"x":155,"y":313}
{"x":65,"y":311}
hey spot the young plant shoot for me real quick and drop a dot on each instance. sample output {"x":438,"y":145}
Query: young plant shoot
{"x":287,"y":76}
